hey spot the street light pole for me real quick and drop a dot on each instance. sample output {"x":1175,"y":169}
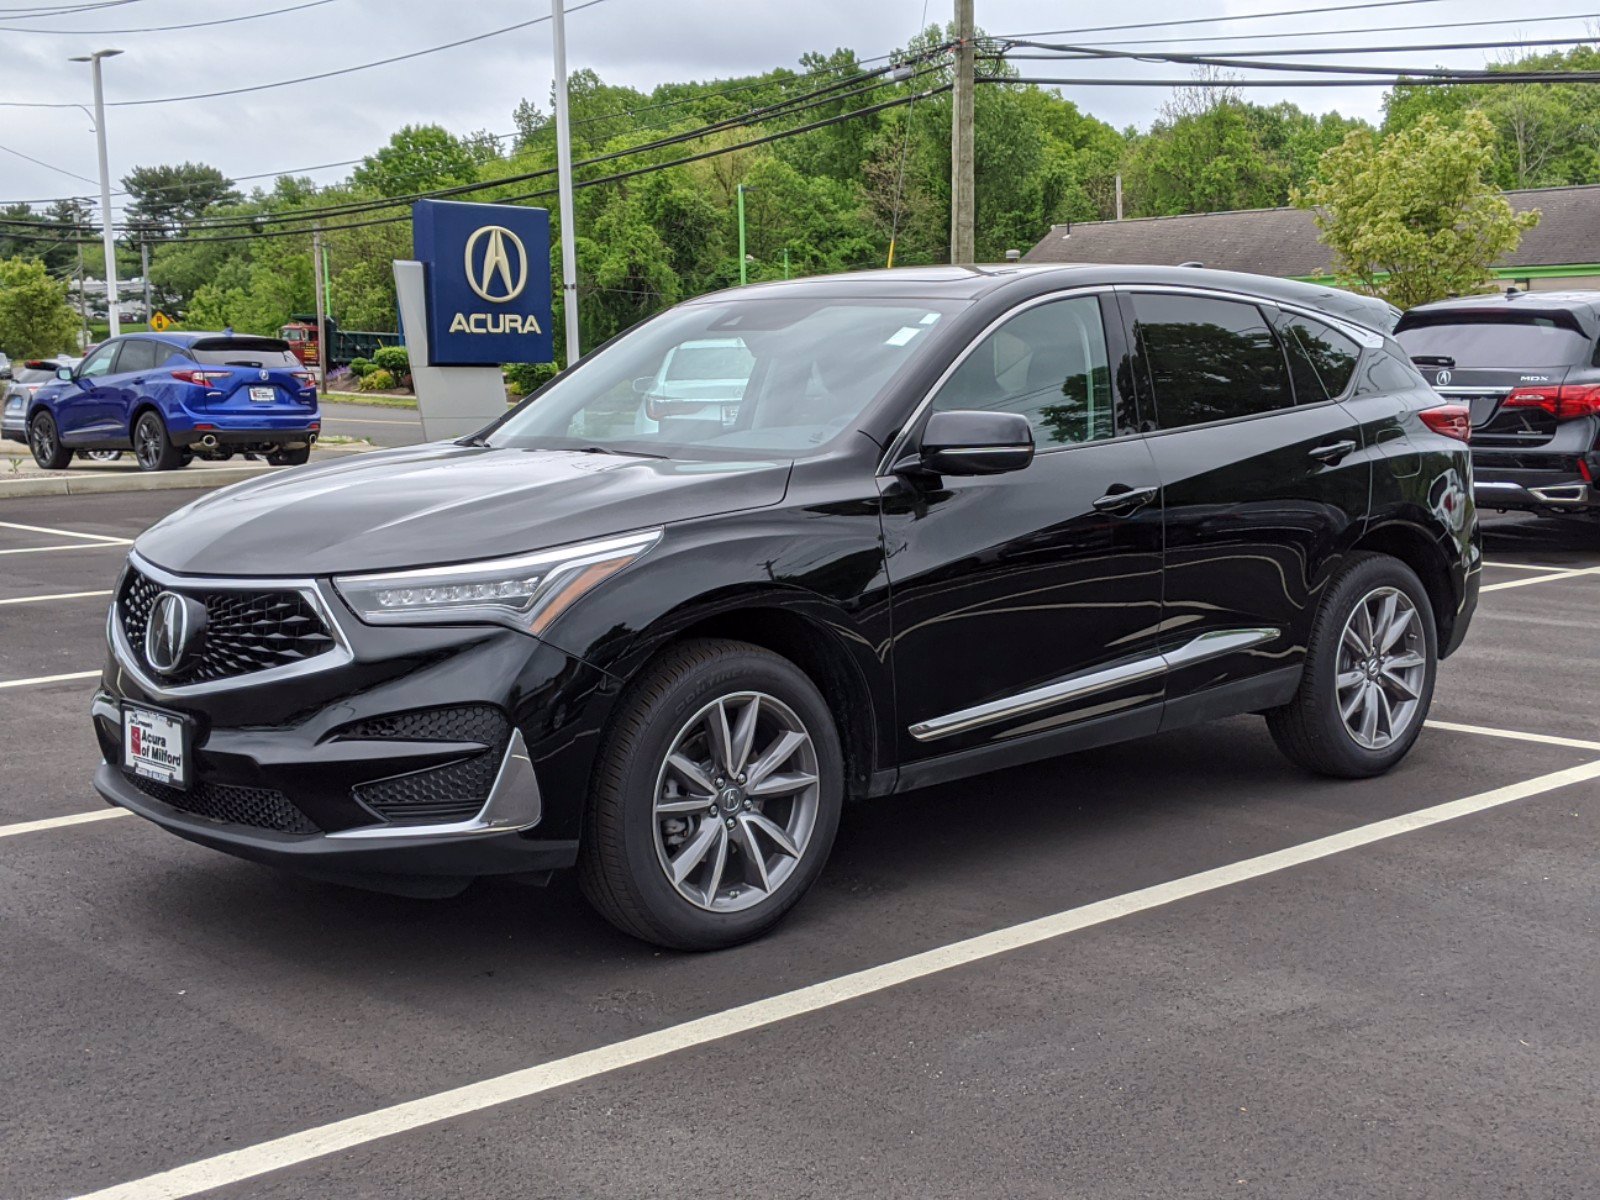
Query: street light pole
{"x":569,"y":237}
{"x":106,"y":233}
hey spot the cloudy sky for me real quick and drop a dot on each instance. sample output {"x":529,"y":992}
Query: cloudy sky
{"x":638,"y":42}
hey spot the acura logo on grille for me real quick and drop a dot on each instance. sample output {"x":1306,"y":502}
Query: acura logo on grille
{"x":173,"y":630}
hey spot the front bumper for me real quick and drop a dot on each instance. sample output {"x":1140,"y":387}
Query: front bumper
{"x":405,"y":759}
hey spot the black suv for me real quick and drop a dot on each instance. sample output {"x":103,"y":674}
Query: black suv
{"x":865,"y":534}
{"x":1528,"y":364}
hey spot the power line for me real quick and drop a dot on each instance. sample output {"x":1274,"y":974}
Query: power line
{"x":169,"y":28}
{"x":350,"y":70}
{"x":1287,"y":12}
{"x":1321,"y":33}
{"x":1098,"y":52}
{"x":39,"y":162}
{"x":1082,"y":53}
{"x":39,"y":11}
{"x":1393,"y":81}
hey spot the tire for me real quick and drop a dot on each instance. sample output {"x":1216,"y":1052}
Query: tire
{"x":101,"y":455}
{"x":1335,"y":725}
{"x":629,"y":846}
{"x":152,"y":448}
{"x":290,"y":458}
{"x":44,"y":439}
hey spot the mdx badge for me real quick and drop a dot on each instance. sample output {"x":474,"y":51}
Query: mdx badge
{"x":175,"y":625}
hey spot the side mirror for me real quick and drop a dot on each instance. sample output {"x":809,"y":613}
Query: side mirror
{"x":973,"y":442}
{"x":64,"y":373}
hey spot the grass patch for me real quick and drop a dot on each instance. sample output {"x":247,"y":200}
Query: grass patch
{"x":371,"y":398}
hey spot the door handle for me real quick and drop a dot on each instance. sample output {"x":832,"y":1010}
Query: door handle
{"x":1332,"y":452}
{"x":1122,"y":499}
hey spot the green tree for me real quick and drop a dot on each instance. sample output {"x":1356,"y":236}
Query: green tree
{"x":167,"y":198}
{"x":1413,"y":217}
{"x":419,"y":158}
{"x":35,"y":319}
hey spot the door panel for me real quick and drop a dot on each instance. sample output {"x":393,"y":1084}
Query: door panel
{"x":81,"y":412}
{"x":1006,"y":584}
{"x":1260,"y":493}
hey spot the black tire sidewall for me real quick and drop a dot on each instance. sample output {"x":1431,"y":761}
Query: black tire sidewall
{"x":1322,"y":664}
{"x":170,"y":456}
{"x":62,"y":455}
{"x":740,"y":669}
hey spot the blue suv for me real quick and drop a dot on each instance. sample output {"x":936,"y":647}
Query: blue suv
{"x":173,"y":396}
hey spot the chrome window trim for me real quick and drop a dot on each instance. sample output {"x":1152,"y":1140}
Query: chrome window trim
{"x":1200,"y":649}
{"x":898,"y":442}
{"x":1473,"y":391}
{"x":514,"y":804}
{"x":311,"y":590}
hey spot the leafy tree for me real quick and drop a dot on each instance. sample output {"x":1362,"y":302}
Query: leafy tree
{"x":35,"y":319}
{"x":167,"y":198}
{"x":419,"y":158}
{"x":1413,"y":217}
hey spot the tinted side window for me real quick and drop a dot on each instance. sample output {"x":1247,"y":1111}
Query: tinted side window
{"x":1321,"y":358}
{"x":1209,"y":360}
{"x":1387,"y":374}
{"x":1049,"y":364}
{"x":137,"y":355}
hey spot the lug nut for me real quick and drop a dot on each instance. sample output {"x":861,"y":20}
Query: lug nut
{"x":747,"y":803}
{"x":741,"y":779}
{"x":730,"y":822}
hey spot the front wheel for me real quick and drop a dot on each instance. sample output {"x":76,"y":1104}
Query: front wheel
{"x":715,"y":799}
{"x":290,"y":458}
{"x":1370,"y":666}
{"x":151,"y":446}
{"x":44,"y":439}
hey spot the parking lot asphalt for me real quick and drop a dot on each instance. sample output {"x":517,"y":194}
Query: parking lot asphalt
{"x":379,"y":424}
{"x":1341,"y":1005}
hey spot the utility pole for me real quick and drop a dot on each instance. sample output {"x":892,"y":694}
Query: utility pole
{"x":107,"y":235}
{"x":322,"y":310}
{"x":569,"y":238}
{"x":744,"y":275}
{"x":962,"y":247}
{"x":144,"y":274}
{"x":1119,"y":195}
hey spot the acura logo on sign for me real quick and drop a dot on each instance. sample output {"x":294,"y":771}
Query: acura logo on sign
{"x":489,"y":272}
{"x":174,"y":627}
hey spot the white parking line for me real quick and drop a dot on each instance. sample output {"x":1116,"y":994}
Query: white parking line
{"x":1527,"y":579}
{"x":66,"y":546}
{"x":1526,"y":566}
{"x":252,"y":1161}
{"x":1549,"y":739}
{"x":53,"y":596}
{"x":82,"y":818}
{"x":16,"y":683}
{"x":93,"y":537}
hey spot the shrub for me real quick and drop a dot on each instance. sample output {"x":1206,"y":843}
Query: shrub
{"x":392,"y":359}
{"x":376,"y":380}
{"x":360,"y":366}
{"x":523,"y":378}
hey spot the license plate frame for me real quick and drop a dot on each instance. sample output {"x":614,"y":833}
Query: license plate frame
{"x":148,"y":733}
{"x":264,"y":395}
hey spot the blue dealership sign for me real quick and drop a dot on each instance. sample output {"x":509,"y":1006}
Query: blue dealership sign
{"x":488,"y":281}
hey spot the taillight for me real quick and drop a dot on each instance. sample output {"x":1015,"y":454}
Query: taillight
{"x":306,"y":378}
{"x":203,"y":379}
{"x":1452,"y":420}
{"x":1561,"y":401}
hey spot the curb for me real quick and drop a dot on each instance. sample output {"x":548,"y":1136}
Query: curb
{"x":85,"y":485}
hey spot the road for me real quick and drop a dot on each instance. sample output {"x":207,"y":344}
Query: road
{"x":1249,"y":982}
{"x":382,"y":426}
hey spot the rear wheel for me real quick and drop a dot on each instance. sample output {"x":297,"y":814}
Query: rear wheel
{"x":1369,"y":673}
{"x":44,"y":439}
{"x":715,"y":800}
{"x":151,"y":446}
{"x":290,"y":458}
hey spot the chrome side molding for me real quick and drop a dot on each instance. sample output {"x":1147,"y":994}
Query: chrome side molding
{"x":1197,"y":650}
{"x":514,"y":803}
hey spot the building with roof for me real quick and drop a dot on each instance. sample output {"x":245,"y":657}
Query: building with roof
{"x":1561,"y":251}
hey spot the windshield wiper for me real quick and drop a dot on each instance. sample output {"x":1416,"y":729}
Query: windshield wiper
{"x":613,"y":450}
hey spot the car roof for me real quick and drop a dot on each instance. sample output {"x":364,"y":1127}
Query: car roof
{"x":970,"y":283}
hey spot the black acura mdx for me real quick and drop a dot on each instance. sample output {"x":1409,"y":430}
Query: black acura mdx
{"x":799,"y":542}
{"x":1527,"y":364}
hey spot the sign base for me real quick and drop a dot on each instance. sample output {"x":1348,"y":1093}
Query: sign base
{"x":452,"y":401}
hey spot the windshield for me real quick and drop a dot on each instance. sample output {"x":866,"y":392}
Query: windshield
{"x":1525,"y":339}
{"x":741,"y":375}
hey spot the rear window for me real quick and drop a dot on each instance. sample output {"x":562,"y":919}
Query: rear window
{"x":1496,"y":339}
{"x":243,"y":352}
{"x":33,"y":374}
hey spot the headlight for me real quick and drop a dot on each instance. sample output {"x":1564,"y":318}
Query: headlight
{"x":527,"y":592}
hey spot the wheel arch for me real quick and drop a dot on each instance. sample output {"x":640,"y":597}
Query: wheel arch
{"x":1427,"y":559}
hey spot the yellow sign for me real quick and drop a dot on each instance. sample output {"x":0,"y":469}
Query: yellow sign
{"x":160,"y":322}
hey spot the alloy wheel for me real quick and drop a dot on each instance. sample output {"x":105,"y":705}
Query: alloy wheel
{"x":1382,"y":668}
{"x":736,"y":802}
{"x":149,"y":442}
{"x":42,"y":434}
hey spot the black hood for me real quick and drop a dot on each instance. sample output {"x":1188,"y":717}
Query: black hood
{"x":443,"y":503}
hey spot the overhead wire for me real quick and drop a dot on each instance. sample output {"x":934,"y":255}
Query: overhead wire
{"x":170,"y":28}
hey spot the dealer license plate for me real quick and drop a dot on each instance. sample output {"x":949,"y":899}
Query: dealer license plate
{"x":155,"y":744}
{"x":263,"y":395}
